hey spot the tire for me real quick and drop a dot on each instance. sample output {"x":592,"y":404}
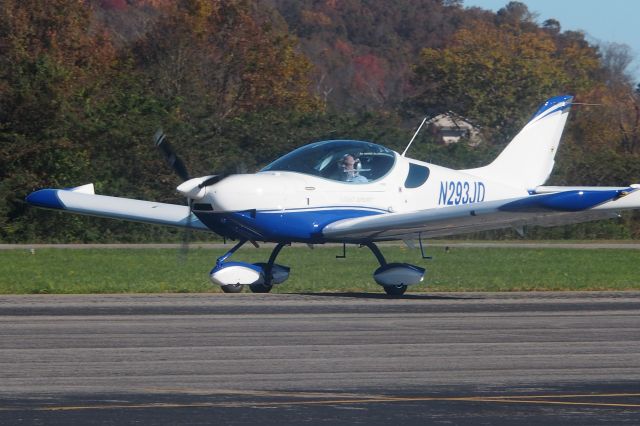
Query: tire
{"x":395,"y":290}
{"x":231,"y":288}
{"x":260,"y":288}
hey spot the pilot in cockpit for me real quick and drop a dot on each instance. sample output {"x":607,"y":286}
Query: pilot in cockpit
{"x":351,"y":166}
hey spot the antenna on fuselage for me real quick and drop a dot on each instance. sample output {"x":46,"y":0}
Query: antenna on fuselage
{"x":414,"y":136}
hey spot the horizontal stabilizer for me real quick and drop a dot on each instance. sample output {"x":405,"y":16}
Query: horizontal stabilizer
{"x":548,"y":209}
{"x":567,"y":201}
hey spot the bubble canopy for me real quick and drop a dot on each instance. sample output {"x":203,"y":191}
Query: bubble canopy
{"x":327,"y":160}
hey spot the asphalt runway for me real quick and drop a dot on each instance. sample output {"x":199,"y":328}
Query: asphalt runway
{"x":442,"y":358}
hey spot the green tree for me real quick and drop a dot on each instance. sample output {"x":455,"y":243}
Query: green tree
{"x":496,"y":74}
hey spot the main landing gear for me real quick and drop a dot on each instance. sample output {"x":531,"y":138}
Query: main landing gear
{"x":395,"y":277}
{"x":260,"y":277}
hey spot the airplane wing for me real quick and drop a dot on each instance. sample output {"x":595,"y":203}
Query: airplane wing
{"x":548,"y":208}
{"x":83,"y":200}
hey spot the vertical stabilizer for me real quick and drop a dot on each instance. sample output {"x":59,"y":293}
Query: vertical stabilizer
{"x":528,"y":160}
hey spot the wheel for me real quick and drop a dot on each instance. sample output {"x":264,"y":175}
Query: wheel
{"x":231,"y":288}
{"x":260,"y":288}
{"x":395,"y":290}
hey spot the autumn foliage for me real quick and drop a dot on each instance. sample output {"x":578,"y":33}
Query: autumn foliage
{"x":235,"y":83}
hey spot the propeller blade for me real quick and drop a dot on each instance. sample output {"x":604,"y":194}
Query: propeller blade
{"x":241,"y":167}
{"x":186,"y":236}
{"x":211,"y":180}
{"x":170,"y":156}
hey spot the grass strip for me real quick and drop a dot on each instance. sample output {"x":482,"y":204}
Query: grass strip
{"x":458,"y":269}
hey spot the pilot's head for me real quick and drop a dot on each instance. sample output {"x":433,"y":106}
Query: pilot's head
{"x":349,"y":162}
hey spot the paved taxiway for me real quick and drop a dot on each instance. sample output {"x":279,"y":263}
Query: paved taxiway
{"x":463,"y":358}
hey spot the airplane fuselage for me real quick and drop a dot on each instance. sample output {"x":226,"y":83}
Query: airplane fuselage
{"x":294,"y":206}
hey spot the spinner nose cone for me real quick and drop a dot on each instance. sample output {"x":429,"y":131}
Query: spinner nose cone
{"x":191,"y":189}
{"x":195,"y":188}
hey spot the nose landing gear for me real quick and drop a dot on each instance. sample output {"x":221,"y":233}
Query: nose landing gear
{"x":260,"y":277}
{"x":231,"y":288}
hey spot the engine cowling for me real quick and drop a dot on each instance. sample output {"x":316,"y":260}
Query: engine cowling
{"x":394,"y":274}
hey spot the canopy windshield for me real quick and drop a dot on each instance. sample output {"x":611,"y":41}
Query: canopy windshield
{"x":346,"y":161}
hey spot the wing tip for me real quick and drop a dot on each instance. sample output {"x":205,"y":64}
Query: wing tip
{"x":47,"y":198}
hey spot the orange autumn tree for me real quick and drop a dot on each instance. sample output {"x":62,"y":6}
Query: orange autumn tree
{"x":220,"y":66}
{"x":216,"y":57}
{"x":52,"y":61}
{"x":493,"y":73}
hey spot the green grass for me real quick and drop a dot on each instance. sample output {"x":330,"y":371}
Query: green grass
{"x":461,"y":269}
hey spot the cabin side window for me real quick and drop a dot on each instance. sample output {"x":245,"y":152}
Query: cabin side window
{"x":417,"y":176}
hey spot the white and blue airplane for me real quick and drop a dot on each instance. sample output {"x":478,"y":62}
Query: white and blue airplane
{"x":354,"y":192}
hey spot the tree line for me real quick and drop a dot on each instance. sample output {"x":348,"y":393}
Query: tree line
{"x":237,"y":83}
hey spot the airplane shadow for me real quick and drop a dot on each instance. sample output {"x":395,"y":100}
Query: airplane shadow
{"x":408,"y":296}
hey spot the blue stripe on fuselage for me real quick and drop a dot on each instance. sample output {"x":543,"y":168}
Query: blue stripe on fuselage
{"x":284,"y":226}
